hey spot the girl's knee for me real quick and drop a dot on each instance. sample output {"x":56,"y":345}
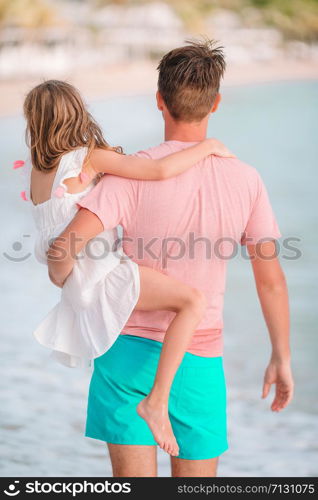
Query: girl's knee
{"x":197,"y":302}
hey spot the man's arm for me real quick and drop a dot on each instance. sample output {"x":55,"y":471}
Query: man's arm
{"x":61,"y":255}
{"x":273,"y":295}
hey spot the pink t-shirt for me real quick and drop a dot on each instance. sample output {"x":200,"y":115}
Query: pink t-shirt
{"x":187,"y":227}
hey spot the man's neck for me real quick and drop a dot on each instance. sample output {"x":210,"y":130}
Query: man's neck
{"x":185,"y":132}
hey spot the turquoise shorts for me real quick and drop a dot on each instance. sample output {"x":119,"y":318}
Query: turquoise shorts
{"x":124,"y":375}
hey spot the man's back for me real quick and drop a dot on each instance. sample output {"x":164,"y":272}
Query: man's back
{"x":188,"y":227}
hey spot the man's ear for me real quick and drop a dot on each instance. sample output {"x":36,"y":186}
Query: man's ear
{"x":159,"y":101}
{"x":216,"y":103}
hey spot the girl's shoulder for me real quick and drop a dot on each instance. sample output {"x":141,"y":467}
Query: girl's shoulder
{"x":69,"y":167}
{"x":70,"y":178}
{"x":71,"y":164}
{"x":74,"y":158}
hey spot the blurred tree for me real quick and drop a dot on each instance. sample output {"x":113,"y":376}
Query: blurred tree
{"x":296,"y":19}
{"x":27,"y":13}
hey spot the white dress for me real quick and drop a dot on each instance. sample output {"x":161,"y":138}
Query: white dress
{"x":100,"y":293}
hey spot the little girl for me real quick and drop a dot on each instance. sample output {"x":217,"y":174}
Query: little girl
{"x":99,"y":291}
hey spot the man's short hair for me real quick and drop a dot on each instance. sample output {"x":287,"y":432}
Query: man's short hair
{"x":189,"y":79}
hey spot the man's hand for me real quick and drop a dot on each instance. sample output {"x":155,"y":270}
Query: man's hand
{"x":52,"y":277}
{"x":55,"y":281}
{"x":279,"y":373}
{"x":272,"y":291}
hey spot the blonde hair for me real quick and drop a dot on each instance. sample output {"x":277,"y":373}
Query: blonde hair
{"x":58,"y":122}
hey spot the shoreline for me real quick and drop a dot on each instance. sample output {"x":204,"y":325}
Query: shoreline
{"x":139,"y":78}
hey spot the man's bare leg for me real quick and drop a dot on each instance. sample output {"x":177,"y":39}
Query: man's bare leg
{"x":194,"y":468}
{"x":133,"y":460}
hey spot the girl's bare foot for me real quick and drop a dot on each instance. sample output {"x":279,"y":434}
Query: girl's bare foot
{"x":157,"y":418}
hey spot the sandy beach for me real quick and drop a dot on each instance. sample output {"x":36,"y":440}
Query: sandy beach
{"x":138,"y":78}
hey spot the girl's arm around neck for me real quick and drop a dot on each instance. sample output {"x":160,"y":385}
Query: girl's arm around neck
{"x":135,"y":167}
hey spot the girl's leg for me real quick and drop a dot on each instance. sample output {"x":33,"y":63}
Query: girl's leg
{"x":161,"y":292}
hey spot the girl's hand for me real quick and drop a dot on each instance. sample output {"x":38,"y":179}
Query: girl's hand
{"x":216,"y":148}
{"x":279,"y":373}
